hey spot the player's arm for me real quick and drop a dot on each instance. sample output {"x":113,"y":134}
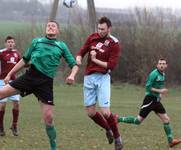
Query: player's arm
{"x":83,"y":50}
{"x":14,"y":70}
{"x":161,"y":91}
{"x":71,"y":78}
{"x":97,"y":61}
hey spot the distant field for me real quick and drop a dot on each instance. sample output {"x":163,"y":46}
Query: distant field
{"x":75,"y":131}
{"x":8,"y":27}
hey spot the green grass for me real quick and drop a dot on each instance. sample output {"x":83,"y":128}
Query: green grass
{"x":75,"y":131}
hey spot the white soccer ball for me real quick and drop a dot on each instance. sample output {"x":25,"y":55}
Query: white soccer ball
{"x":69,"y":3}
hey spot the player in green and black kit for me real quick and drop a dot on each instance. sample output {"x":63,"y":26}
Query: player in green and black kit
{"x":154,"y":90}
{"x":44,"y":56}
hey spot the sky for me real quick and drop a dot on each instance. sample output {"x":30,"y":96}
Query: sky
{"x":174,"y":4}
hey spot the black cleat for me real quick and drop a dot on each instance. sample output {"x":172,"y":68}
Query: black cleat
{"x":14,"y":131}
{"x":109,"y":136}
{"x":118,"y":144}
{"x":2,"y":133}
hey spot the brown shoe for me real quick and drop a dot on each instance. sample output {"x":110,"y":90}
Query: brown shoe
{"x":14,"y":131}
{"x":109,"y":136}
{"x":174,"y":142}
{"x":2,"y":133}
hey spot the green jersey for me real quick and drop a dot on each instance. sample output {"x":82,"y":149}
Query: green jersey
{"x":156,"y":80}
{"x":45,"y":55}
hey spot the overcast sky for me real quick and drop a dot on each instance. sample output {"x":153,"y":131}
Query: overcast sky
{"x":133,"y":3}
{"x":175,"y":4}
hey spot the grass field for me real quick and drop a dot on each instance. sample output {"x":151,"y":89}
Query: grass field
{"x":75,"y":131}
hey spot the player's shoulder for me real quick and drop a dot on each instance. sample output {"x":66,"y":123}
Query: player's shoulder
{"x":2,"y":50}
{"x":154,"y":73}
{"x":93,"y":36}
{"x":113,"y":39}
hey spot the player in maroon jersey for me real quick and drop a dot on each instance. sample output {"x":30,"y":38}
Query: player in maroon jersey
{"x":8,"y":59}
{"x":103,"y":51}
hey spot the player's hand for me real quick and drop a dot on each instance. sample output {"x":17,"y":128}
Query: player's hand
{"x":79,"y":60}
{"x":7,"y":79}
{"x":70,"y":80}
{"x":163,"y":91}
{"x":93,"y":54}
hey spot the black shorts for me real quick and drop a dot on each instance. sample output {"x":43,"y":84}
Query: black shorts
{"x":151,"y":103}
{"x":33,"y":81}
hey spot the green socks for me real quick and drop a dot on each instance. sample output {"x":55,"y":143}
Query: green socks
{"x":51,"y":132}
{"x":129,"y":119}
{"x":168,"y":131}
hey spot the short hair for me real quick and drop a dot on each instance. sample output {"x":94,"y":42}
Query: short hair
{"x":9,"y":38}
{"x":162,"y":59}
{"x":55,"y":22}
{"x":105,"y":20}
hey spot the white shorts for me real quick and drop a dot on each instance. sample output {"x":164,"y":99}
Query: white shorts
{"x":11,"y":98}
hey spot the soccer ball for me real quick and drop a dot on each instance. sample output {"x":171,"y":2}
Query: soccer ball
{"x":69,"y":3}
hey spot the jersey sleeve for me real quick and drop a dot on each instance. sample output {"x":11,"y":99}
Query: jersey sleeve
{"x":85,"y":48}
{"x":114,"y":55}
{"x":28,"y":52}
{"x":68,"y":56}
{"x":150,"y":80}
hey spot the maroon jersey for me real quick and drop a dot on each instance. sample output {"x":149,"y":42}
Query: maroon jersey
{"x":8,"y":59}
{"x":108,"y":50}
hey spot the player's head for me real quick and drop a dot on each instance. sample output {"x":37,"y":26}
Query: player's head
{"x":52,"y":29}
{"x":104,"y":26}
{"x":162,"y":64}
{"x":9,"y":42}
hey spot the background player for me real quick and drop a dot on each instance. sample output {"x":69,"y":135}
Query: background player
{"x":152,"y":102}
{"x":9,"y":57}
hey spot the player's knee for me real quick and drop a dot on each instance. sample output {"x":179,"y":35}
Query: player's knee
{"x":16,"y":106}
{"x":167,"y":120}
{"x":48,"y":118}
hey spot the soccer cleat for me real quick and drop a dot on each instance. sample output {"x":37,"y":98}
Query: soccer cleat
{"x":2,"y":133}
{"x":174,"y":142}
{"x":109,"y":136}
{"x":118,"y":144}
{"x":14,"y":131}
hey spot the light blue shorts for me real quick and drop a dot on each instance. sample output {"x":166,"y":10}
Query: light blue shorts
{"x":11,"y":98}
{"x":97,"y":88}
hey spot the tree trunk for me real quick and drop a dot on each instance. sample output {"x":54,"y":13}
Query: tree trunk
{"x":92,"y":14}
{"x":54,"y":10}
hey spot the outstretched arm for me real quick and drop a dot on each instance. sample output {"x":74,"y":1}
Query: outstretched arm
{"x":15,"y":69}
{"x":71,"y":78}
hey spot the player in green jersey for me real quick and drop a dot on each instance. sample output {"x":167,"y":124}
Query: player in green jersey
{"x":44,"y":56}
{"x":154,"y":90}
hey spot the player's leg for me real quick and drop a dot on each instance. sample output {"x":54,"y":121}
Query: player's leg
{"x":15,"y":113}
{"x":168,"y":130}
{"x":47,"y":111}
{"x":5,"y":91}
{"x":90,"y":97}
{"x":2,"y":113}
{"x":145,"y":109}
{"x":111,"y":120}
{"x":104,"y":87}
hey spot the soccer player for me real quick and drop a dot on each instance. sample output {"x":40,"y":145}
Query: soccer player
{"x":103,"y":51}
{"x":44,"y":56}
{"x":152,"y":102}
{"x":9,"y":57}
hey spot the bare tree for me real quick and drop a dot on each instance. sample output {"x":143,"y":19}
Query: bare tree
{"x":54,"y":10}
{"x":92,"y":14}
